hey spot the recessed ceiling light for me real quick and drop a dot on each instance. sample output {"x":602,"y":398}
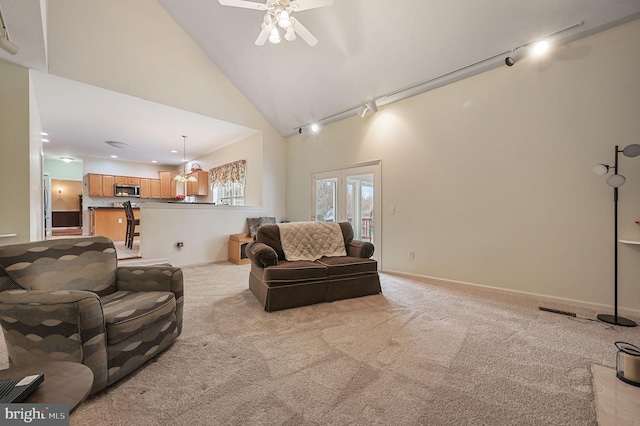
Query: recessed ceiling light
{"x":315,"y":127}
{"x":117,"y":144}
{"x":173,"y":151}
{"x":66,"y":159}
{"x":154,"y":161}
{"x":45,"y":140}
{"x":114,"y":156}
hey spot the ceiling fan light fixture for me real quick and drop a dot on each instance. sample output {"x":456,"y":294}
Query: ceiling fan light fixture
{"x":290,"y":35}
{"x":283,"y":19}
{"x":275,"y":36}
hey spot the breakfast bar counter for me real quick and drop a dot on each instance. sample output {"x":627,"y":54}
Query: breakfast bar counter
{"x":109,"y":222}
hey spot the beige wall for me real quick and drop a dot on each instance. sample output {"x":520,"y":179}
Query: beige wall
{"x":491,"y":177}
{"x":65,"y":194}
{"x":15,"y":172}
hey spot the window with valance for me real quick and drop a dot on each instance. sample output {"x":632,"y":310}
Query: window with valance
{"x":227,"y":183}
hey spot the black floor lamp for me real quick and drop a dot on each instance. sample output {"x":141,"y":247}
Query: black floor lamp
{"x":616,"y":181}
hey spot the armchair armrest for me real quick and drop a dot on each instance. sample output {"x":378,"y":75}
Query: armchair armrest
{"x":153,"y":278}
{"x":363,"y":249}
{"x":261,"y":254}
{"x":58,"y":325}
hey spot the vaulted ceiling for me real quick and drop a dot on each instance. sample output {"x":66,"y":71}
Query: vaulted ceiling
{"x":381,"y":50}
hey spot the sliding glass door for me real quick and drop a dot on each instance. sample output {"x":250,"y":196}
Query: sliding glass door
{"x":351,"y":195}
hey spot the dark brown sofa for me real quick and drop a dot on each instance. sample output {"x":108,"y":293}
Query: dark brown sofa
{"x":282,"y":284}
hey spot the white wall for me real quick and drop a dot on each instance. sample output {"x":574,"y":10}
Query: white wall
{"x":491,"y":177}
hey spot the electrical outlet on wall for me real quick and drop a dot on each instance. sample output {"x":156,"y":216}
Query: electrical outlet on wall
{"x":412,"y":254}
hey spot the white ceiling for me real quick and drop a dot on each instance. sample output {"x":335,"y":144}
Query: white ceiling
{"x":368,"y":49}
{"x":80,"y":119}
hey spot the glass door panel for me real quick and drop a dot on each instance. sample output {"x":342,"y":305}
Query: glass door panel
{"x":350,"y":195}
{"x":326,"y":199}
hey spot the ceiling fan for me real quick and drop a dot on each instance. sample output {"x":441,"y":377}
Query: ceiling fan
{"x":278,"y":15}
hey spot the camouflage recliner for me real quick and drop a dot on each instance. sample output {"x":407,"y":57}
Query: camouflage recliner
{"x":67,"y":300}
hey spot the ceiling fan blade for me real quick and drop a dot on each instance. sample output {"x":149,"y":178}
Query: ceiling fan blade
{"x":303,"y":32}
{"x":244,"y":4}
{"x":299,"y":5}
{"x":262,"y":38}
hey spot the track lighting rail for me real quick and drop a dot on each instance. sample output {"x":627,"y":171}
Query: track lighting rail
{"x":389,"y":98}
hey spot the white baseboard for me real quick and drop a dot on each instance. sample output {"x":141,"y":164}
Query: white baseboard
{"x":599,"y":307}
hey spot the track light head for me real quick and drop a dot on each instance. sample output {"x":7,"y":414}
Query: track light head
{"x":372,"y":106}
{"x":362,"y":111}
{"x":5,"y":43}
{"x":300,"y":130}
{"x":7,"y":46}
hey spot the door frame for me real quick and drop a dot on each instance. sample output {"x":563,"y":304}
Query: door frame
{"x":373,"y":167}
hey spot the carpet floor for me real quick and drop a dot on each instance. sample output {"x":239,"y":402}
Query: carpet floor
{"x":422,"y":353}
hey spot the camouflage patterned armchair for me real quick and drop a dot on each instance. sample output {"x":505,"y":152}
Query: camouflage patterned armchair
{"x":67,"y":300}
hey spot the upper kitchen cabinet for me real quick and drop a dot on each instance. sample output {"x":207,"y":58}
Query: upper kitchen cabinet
{"x":201,"y":186}
{"x":167,"y":184}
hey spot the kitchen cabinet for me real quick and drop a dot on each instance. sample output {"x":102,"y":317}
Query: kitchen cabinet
{"x":201,"y":186}
{"x":149,"y":188}
{"x":95,"y":185}
{"x":145,"y":188}
{"x":167,"y":184}
{"x":155,"y":188}
{"x":103,"y":185}
{"x":108,"y":186}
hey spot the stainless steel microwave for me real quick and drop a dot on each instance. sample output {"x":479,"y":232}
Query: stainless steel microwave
{"x":126,"y":190}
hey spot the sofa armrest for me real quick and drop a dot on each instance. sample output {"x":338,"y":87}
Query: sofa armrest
{"x":363,"y":249}
{"x":261,"y":254}
{"x":58,"y":325}
{"x":154,"y":278}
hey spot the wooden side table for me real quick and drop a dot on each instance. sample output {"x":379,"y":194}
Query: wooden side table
{"x":64,"y":382}
{"x":237,"y":245}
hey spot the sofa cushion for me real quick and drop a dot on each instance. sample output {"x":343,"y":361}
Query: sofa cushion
{"x":128,"y":312}
{"x":297,"y":271}
{"x":347,"y":265}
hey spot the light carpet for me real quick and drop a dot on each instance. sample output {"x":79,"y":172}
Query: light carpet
{"x":421,"y":353}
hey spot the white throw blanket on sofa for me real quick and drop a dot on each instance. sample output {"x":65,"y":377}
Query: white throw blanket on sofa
{"x":311,"y":240}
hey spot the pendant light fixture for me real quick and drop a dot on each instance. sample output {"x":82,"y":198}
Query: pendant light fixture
{"x":183,"y":177}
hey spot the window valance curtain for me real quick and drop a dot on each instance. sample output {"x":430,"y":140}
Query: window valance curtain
{"x":231,"y":172}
